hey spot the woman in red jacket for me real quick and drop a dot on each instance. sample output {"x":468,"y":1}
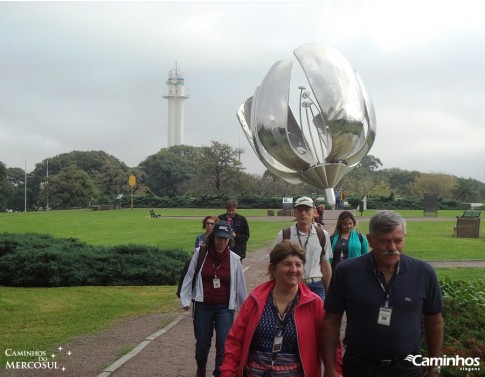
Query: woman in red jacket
{"x":276,"y":330}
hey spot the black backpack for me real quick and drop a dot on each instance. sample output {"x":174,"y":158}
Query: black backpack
{"x":200,"y":260}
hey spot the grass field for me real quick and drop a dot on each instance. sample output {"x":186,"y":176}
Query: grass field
{"x":41,"y":318}
{"x":129,"y":226}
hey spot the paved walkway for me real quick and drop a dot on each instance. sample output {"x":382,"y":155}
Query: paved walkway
{"x":172,"y":353}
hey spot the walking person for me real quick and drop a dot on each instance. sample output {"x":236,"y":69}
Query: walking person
{"x":239,"y":226}
{"x":207,"y":224}
{"x":276,"y":332}
{"x":318,"y":216}
{"x":346,"y":242}
{"x":316,"y":243}
{"x":387,"y":297}
{"x":219,"y":289}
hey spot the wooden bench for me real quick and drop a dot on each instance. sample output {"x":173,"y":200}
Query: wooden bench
{"x":470,"y":213}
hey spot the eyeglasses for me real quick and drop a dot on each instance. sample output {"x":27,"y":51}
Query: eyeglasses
{"x":211,"y":224}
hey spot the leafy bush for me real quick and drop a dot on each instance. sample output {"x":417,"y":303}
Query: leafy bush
{"x":391,"y":202}
{"x":43,"y":261}
{"x":464,"y":316}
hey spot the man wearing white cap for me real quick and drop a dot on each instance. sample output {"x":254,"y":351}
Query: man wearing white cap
{"x":317,"y":267}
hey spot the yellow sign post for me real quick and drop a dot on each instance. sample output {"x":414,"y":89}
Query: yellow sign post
{"x":132,"y":183}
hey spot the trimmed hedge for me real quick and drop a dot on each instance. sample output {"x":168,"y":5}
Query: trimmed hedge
{"x":204,"y":201}
{"x":33,"y":260}
{"x":382,"y":202}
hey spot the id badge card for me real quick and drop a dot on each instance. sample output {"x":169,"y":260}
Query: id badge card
{"x":277,"y":344}
{"x":216,"y":282}
{"x":384,"y":316}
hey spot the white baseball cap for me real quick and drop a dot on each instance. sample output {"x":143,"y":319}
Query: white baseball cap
{"x":304,"y":201}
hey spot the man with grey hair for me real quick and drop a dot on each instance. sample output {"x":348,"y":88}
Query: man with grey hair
{"x":386,"y":295}
{"x":316,"y":243}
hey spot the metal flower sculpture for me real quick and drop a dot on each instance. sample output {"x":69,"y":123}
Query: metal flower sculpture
{"x":340,"y":121}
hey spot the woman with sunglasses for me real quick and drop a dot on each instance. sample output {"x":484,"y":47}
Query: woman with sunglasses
{"x":208,"y":225}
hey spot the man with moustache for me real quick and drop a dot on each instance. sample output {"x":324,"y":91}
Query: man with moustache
{"x":386,"y":295}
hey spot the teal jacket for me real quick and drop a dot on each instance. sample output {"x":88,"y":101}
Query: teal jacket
{"x":357,"y":246}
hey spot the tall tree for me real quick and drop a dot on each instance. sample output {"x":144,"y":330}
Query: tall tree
{"x":440,"y":183}
{"x":109,"y":174}
{"x":168,"y":171}
{"x":220,"y":168}
{"x":6,"y":190}
{"x":465,"y":190}
{"x":16,"y":179}
{"x":370,"y":162}
{"x":71,"y":187}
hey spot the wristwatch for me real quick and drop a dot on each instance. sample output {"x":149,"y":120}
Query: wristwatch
{"x":436,"y":369}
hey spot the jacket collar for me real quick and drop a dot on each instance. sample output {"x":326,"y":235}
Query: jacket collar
{"x":261,"y":292}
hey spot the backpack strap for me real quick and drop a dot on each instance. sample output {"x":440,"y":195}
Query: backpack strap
{"x":286,"y":233}
{"x":321,"y":238}
{"x":200,"y":260}
{"x":361,"y":238}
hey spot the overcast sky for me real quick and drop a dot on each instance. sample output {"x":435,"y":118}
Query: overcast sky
{"x":91,"y":75}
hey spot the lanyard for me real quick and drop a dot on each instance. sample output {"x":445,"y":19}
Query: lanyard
{"x":386,"y":288}
{"x":215,"y":269}
{"x":282,"y":320}
{"x":307,"y":237}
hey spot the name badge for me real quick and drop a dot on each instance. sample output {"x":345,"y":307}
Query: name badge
{"x":278,"y":343}
{"x":216,"y":282}
{"x":384,"y":316}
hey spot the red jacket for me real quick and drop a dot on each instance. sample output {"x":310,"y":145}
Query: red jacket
{"x":308,"y":320}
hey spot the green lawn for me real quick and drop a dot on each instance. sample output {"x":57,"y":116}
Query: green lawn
{"x":466,"y":274}
{"x":132,"y":226}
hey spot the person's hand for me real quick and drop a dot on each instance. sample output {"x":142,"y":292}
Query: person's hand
{"x":233,"y":234}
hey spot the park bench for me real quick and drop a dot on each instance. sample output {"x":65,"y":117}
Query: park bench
{"x":153,"y":214}
{"x":470,"y":213}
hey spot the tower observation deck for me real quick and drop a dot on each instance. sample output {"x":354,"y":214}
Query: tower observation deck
{"x":175,"y":97}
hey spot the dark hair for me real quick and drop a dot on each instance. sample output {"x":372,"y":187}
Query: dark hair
{"x":385,"y":222}
{"x":215,"y":218}
{"x":282,"y":250}
{"x":344,"y":215}
{"x":320,"y":209}
{"x":231,"y":203}
{"x":209,"y":241}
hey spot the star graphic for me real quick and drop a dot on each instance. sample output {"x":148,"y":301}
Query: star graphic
{"x":69,"y":353}
{"x":60,"y":348}
{"x":53,"y":355}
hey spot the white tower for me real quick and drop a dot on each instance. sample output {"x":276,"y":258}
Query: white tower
{"x":175,"y":96}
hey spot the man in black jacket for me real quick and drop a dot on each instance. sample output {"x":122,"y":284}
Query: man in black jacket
{"x":239,"y":226}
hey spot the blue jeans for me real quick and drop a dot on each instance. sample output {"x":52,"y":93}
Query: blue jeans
{"x":206,"y":318}
{"x":317,"y":288}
